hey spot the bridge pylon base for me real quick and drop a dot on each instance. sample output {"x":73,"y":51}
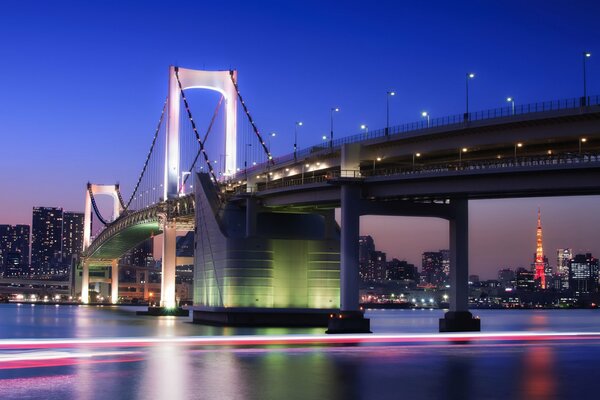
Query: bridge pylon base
{"x":348,"y":322}
{"x":459,"y":321}
{"x":163,"y":311}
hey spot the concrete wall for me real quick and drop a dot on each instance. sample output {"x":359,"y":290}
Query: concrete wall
{"x":289,"y":263}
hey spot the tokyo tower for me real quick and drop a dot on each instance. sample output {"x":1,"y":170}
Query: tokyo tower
{"x":539,"y":254}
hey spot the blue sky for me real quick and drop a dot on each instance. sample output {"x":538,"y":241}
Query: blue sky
{"x":83,"y":83}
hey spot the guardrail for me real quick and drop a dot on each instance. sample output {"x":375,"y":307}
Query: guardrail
{"x":423,"y":125}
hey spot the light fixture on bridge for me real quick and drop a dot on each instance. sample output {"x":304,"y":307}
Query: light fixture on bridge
{"x":324,"y":137}
{"x":517,"y":146}
{"x":365,"y":128}
{"x":307,"y":165}
{"x":549,"y":152}
{"x":387,"y":114}
{"x":581,"y":140}
{"x":470,"y":75}
{"x":586,"y":55}
{"x":298,"y":123}
{"x":511,"y":100}
{"x":333,"y":109}
{"x":425,"y":114}
{"x":413,"y":158}
{"x":464,"y":149}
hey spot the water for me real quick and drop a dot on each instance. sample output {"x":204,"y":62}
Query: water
{"x":503,"y":369}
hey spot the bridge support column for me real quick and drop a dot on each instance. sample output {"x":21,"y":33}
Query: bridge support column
{"x":251,"y":211}
{"x":458,"y":318}
{"x":350,"y":318}
{"x":85,"y":282}
{"x":114,"y":281}
{"x":169,"y":262}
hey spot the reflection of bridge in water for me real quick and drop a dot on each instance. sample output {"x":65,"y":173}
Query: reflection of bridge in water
{"x":268,"y":249}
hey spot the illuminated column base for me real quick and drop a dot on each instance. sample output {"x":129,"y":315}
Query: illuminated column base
{"x":85,"y":283}
{"x":114,"y":283}
{"x":459,"y":319}
{"x":169,"y":261}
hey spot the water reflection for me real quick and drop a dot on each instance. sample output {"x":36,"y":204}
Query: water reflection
{"x":538,"y":376}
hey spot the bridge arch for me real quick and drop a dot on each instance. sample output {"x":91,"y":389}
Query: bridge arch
{"x":219,"y":81}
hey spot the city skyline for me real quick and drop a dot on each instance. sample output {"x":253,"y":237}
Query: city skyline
{"x":348,"y":57}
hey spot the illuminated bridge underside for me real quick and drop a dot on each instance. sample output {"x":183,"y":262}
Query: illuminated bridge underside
{"x":132,"y":229}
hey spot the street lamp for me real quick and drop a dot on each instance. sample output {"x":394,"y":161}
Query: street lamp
{"x":387,"y":120}
{"x":511,"y":100}
{"x":298,"y":123}
{"x":413,"y":158}
{"x":581,"y":140}
{"x":377,"y":159}
{"x":424,"y":114}
{"x":469,"y":75}
{"x":586,"y":55}
{"x":463,"y":150}
{"x":517,"y":146}
{"x":333,"y":109}
{"x":366,"y":129}
{"x":324,"y":137}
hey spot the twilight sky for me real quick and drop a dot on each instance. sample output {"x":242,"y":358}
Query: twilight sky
{"x":83,"y":83}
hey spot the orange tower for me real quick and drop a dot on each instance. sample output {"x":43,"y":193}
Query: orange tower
{"x":540,"y":265}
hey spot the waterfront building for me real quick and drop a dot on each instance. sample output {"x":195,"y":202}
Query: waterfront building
{"x":72,"y":236}
{"x":506,"y":277}
{"x":401,"y":271}
{"x":526,"y":280}
{"x":435,"y":267}
{"x":14,"y":249}
{"x":46,"y":239}
{"x":563,"y":256}
{"x":583,"y":274}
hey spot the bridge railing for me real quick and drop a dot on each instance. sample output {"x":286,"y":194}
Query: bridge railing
{"x":419,"y":127}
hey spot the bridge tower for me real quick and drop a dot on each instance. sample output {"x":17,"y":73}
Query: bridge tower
{"x":182,"y":79}
{"x":91,"y":191}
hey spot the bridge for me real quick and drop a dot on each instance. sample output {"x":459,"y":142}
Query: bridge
{"x":266,"y":237}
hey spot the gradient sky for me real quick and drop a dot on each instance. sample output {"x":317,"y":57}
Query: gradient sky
{"x":83,"y":83}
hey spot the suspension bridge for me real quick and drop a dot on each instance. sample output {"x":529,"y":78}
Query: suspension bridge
{"x":268,"y":248}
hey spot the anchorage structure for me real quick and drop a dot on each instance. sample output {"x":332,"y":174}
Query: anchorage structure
{"x":540,"y":265}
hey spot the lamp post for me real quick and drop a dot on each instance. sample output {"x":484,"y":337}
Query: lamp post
{"x":333,"y":109}
{"x":366,"y":129}
{"x":377,"y":159}
{"x":424,"y":114}
{"x":298,"y":123}
{"x":246,"y":161}
{"x":413,"y":159}
{"x":517,"y":146}
{"x":581,"y":140}
{"x":511,"y":100}
{"x":469,"y":75}
{"x":390,"y":93}
{"x":586,"y":55}
{"x":460,"y":151}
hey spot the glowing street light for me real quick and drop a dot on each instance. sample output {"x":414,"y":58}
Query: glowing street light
{"x":377,"y":159}
{"x":581,"y":140}
{"x":460,"y":151}
{"x":469,"y":75}
{"x":511,"y":100}
{"x":417,"y":155}
{"x":333,"y":109}
{"x":424,"y":114}
{"x":586,"y":55}
{"x":298,"y":123}
{"x":517,"y":146}
{"x":365,"y":128}
{"x":390,"y":93}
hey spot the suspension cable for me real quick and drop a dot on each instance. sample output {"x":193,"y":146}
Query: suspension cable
{"x":254,"y":127}
{"x":198,"y":139}
{"x":95,"y":206}
{"x":208,"y":130}
{"x":119,"y":196}
{"x":137,"y":185}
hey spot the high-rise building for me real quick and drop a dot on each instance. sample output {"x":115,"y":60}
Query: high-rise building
{"x":14,"y":249}
{"x":366,"y":248}
{"x":540,"y":262}
{"x":46,"y":238}
{"x":583,"y":274}
{"x":435,"y":267}
{"x":525,"y":279}
{"x":563,"y":256}
{"x":140,"y":256}
{"x":72,"y":235}
{"x":506,"y":277}
{"x":401,"y":271}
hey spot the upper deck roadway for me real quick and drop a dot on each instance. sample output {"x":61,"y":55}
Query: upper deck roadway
{"x":545,"y":149}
